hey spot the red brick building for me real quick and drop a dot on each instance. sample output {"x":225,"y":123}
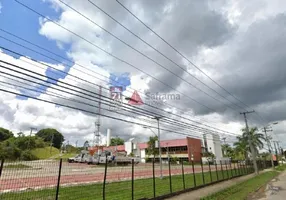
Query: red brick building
{"x":185,"y":149}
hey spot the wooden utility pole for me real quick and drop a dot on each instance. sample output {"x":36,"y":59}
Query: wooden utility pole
{"x":269,"y":145}
{"x":252,"y":150}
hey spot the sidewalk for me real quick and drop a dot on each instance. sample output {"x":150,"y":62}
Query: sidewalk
{"x":275,"y":189}
{"x":197,"y":194}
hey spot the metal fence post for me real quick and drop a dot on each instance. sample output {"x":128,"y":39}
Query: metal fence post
{"x":226,"y":169}
{"x":154,"y":185}
{"x":238,"y":169}
{"x":221,"y":170}
{"x":132,"y":179}
{"x":1,"y":167}
{"x":241,"y":168}
{"x":231,"y":172}
{"x":216,"y":170}
{"x":194,"y":174}
{"x":170,"y":176}
{"x":244,"y":169}
{"x":235,"y":172}
{"x":183,"y":175}
{"x":59,"y":179}
{"x":230,"y":168}
{"x":104,"y":179}
{"x":210,"y":171}
{"x":203,"y":177}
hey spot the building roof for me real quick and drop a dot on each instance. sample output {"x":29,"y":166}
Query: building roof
{"x":113,"y":148}
{"x":166,"y":143}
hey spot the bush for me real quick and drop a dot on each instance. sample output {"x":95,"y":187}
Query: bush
{"x":9,"y":151}
{"x":27,"y":156}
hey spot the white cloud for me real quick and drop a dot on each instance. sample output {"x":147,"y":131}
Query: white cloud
{"x":210,"y":34}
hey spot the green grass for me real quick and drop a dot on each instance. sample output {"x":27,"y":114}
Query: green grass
{"x":143,"y":188}
{"x":45,"y":153}
{"x":242,"y":190}
{"x":281,"y":168}
{"x":17,"y":166}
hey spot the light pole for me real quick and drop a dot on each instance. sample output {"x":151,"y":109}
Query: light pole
{"x":159,"y":145}
{"x":150,"y":129}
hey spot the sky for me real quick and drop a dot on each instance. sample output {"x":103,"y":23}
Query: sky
{"x":238,"y":44}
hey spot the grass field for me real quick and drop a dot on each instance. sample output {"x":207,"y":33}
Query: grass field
{"x":45,"y":153}
{"x":143,"y":188}
{"x":242,"y":190}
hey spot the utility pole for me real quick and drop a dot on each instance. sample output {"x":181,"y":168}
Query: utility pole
{"x":253,"y":153}
{"x":159,"y":146}
{"x":269,"y":145}
{"x":276,"y":152}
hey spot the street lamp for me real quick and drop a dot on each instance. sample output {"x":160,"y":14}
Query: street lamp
{"x":159,"y":141}
{"x":150,"y":129}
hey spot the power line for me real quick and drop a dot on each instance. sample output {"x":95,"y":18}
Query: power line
{"x":176,"y":50}
{"x":180,"y":53}
{"x":91,"y":112}
{"x":51,"y":82}
{"x":110,"y":54}
{"x":82,"y":79}
{"x":149,"y":58}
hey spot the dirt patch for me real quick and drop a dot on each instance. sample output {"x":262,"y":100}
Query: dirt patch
{"x":258,"y":194}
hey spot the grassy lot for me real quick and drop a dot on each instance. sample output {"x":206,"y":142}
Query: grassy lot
{"x":45,"y":153}
{"x":17,"y":166}
{"x":143,"y":188}
{"x":281,"y":168}
{"x":242,"y":190}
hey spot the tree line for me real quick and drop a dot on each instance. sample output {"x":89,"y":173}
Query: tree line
{"x":20,"y":147}
{"x":241,"y":149}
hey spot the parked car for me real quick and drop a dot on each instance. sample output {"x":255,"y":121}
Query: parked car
{"x":80,"y":158}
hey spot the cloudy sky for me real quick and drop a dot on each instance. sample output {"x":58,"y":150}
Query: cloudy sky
{"x":238,"y":44}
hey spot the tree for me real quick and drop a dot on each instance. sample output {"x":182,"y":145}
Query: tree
{"x":50,"y":134}
{"x":86,"y":145}
{"x":5,"y":134}
{"x":116,"y":141}
{"x":227,"y":151}
{"x":151,"y":149}
{"x":242,"y":146}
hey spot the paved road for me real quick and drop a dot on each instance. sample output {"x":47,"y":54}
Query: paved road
{"x":276,"y":189}
{"x":45,"y":173}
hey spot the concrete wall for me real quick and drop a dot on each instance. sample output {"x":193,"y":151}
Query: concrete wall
{"x":214,"y":145}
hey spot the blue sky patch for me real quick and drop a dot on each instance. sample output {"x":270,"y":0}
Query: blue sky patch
{"x":120,"y":80}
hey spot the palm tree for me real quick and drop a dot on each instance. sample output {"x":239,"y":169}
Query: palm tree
{"x":227,"y":151}
{"x":242,"y":146}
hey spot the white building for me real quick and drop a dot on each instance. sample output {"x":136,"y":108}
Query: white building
{"x":132,"y":147}
{"x":211,"y":143}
